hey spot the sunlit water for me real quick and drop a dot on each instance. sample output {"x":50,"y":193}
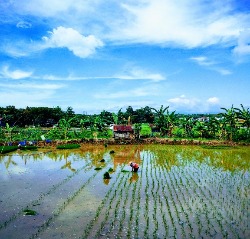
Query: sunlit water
{"x":179,"y":192}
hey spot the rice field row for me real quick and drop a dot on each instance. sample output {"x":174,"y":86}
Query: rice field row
{"x":171,"y":196}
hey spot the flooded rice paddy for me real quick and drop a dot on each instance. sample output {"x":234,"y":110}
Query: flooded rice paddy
{"x":178,"y":192}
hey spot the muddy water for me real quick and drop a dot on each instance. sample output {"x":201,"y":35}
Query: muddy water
{"x":179,"y":192}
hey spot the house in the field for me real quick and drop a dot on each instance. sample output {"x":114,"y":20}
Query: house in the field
{"x":123,"y":132}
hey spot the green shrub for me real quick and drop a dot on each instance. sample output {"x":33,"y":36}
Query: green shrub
{"x":55,"y":133}
{"x":106,"y":134}
{"x":244,"y":134}
{"x":145,"y":130}
{"x":68,"y":146}
{"x":178,"y":132}
{"x":86,"y":134}
{"x":195,"y":133}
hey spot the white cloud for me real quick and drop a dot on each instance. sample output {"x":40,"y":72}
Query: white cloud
{"x":53,"y":8}
{"x":202,"y":60}
{"x":16,"y":74}
{"x":183,"y":23}
{"x":149,"y":90}
{"x":191,"y":23}
{"x":69,"y":38}
{"x":213,"y":100}
{"x":223,"y":72}
{"x":243,"y":47}
{"x":39,"y":86}
{"x":184,"y":101}
{"x":140,"y":74}
{"x":134,"y":73}
{"x":209,"y":64}
{"x":110,"y":105}
{"x":23,"y":24}
{"x":194,"y":105}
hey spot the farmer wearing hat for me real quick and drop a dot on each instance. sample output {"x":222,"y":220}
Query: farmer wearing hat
{"x":134,"y":166}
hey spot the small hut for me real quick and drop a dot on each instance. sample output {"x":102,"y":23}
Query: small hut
{"x":123,"y":131}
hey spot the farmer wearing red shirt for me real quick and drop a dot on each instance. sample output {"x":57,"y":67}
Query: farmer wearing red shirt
{"x":134,"y":166}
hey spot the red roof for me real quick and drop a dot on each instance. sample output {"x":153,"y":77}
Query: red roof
{"x":123,"y":128}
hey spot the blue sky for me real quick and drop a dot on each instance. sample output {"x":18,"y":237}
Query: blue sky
{"x":191,"y":55}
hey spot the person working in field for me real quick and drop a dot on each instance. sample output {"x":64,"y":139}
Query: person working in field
{"x":134,"y":166}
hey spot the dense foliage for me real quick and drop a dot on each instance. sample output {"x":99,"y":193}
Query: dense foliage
{"x":34,"y":123}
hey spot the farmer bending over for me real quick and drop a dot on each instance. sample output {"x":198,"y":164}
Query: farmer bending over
{"x":134,"y":166}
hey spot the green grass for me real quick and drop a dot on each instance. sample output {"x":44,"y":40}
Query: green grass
{"x":68,"y":146}
{"x":7,"y":149}
{"x":28,"y":147}
{"x":217,"y":147}
{"x":29,"y":212}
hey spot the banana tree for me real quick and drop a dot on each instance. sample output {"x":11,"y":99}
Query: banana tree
{"x":213,"y":127}
{"x":187,"y":124}
{"x":201,"y":128}
{"x":243,"y":115}
{"x":162,"y":119}
{"x":65,"y":125}
{"x":9,"y":130}
{"x":229,"y":122}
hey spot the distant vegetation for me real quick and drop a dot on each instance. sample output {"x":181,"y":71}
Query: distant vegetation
{"x":36,"y":123}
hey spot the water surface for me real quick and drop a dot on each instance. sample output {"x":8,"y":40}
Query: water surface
{"x":179,"y":192}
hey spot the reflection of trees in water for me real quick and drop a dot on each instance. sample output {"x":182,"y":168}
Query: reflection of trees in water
{"x":126,"y":153}
{"x":134,"y":178}
{"x":168,"y":155}
{"x":8,"y":161}
{"x":229,"y":158}
{"x":68,"y":165}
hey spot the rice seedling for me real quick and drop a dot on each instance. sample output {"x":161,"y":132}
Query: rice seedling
{"x":111,"y":170}
{"x":29,"y":212}
{"x":106,"y":175}
{"x":42,"y":196}
{"x":180,"y":193}
{"x":98,"y":168}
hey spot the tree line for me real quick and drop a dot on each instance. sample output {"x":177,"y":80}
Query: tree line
{"x":231,"y":124}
